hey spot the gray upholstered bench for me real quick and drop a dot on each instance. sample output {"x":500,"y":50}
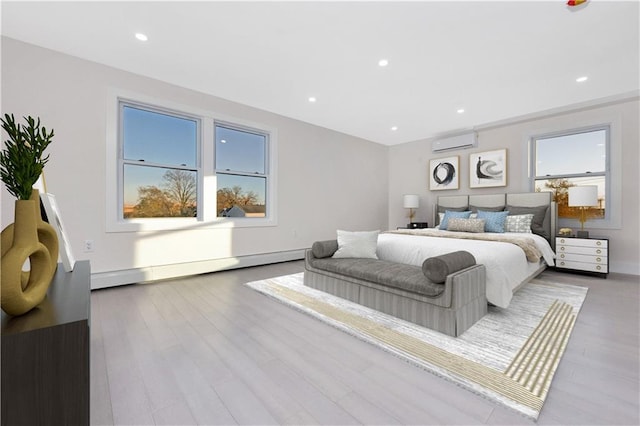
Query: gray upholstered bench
{"x":403,"y":291}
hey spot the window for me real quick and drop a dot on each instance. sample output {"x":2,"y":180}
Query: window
{"x":241,"y":170}
{"x":171,"y":166}
{"x":159,"y":163}
{"x":579,"y":157}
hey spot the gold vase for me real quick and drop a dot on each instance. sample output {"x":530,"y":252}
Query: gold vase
{"x":46,"y":234}
{"x":23,"y":290}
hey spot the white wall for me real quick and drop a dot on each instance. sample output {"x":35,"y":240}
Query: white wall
{"x":326,"y":180}
{"x":408,"y":173}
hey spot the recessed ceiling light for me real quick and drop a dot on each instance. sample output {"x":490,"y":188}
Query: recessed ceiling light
{"x":582,"y":79}
{"x":223,"y":141}
{"x":142,"y":37}
{"x":383,"y":62}
{"x":394,"y":128}
{"x":460,"y":110}
{"x":312,"y":99}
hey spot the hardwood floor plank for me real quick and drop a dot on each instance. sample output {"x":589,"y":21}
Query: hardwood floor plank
{"x":158,"y":377}
{"x":207,"y":408}
{"x":322,"y":409}
{"x":172,"y":415}
{"x":366,"y":412}
{"x":244,"y":406}
{"x":129,"y":401}
{"x":100,"y":396}
{"x":624,"y":388}
{"x":208,"y":350}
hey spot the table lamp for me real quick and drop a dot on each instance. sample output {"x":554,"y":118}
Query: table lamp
{"x":411,"y":202}
{"x":583,"y":197}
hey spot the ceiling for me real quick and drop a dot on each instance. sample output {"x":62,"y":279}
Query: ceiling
{"x":495,"y":60}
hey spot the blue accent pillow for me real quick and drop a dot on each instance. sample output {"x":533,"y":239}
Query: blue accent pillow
{"x":448,"y":214}
{"x":493,"y":221}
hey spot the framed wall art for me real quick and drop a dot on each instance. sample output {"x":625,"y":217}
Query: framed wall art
{"x":444,"y":173}
{"x":53,"y":217}
{"x":487,"y":169}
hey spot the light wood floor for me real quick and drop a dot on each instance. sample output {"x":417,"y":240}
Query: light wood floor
{"x":208,"y":350}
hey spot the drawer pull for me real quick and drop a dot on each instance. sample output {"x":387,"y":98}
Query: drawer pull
{"x":562,"y":240}
{"x":562,"y":255}
{"x":598,"y":243}
{"x":598,"y":267}
{"x":562,"y":248}
{"x":598,"y":251}
{"x":598,"y":259}
{"x":562,"y":263}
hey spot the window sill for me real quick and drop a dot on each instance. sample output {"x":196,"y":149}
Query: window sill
{"x":186,"y":224}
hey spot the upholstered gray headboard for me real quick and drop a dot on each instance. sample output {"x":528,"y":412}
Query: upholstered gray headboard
{"x":527,"y":202}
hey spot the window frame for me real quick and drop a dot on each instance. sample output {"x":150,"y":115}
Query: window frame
{"x":612,"y":197}
{"x":206,"y":176}
{"x":122,"y":162}
{"x":267,"y":163}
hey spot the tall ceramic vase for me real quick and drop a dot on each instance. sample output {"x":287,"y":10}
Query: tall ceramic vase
{"x":23,"y":290}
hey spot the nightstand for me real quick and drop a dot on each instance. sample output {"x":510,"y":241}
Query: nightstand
{"x":414,"y":225}
{"x":583,"y":254}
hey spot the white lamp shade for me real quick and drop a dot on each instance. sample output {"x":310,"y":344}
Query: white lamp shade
{"x":411,"y":201}
{"x":583,"y":196}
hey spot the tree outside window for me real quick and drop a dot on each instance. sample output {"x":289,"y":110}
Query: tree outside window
{"x":159,"y":163}
{"x":241,"y":171}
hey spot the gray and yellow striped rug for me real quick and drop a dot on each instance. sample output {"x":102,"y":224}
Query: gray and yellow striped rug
{"x":509,"y":356}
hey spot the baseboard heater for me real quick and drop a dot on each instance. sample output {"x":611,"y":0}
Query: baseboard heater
{"x":161,"y":272}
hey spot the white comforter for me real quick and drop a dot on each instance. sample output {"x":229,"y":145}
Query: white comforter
{"x":506,"y":263}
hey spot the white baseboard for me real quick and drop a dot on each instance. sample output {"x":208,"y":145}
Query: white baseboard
{"x":160,"y":272}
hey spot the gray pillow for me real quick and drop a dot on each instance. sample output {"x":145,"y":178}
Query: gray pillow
{"x":322,"y":249}
{"x":442,"y":209}
{"x":539,"y":213}
{"x":465,"y":225}
{"x":486,"y":209}
{"x":438,"y":267}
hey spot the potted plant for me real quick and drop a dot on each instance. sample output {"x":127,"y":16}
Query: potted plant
{"x":21,"y":163}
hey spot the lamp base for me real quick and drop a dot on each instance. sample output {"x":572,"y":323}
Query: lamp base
{"x":582,"y":234}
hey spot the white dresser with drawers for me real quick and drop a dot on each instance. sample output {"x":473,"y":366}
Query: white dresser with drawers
{"x":583,"y":254}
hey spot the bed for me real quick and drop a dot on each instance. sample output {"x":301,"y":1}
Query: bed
{"x":506,"y":263}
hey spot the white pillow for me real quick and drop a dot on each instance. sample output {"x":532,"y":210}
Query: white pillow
{"x":518,"y":223}
{"x":357,"y":244}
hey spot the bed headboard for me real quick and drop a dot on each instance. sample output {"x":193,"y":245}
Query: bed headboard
{"x":519,"y":203}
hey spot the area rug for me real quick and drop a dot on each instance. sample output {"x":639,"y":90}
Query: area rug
{"x":509,"y":356}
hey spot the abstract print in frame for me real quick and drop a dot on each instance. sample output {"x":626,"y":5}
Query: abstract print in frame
{"x":487,"y":169}
{"x":53,"y":217}
{"x":444,"y":173}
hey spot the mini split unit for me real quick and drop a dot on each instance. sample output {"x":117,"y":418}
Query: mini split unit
{"x":461,"y":141}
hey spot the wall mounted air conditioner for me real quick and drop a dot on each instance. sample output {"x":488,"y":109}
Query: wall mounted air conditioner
{"x":462,"y":141}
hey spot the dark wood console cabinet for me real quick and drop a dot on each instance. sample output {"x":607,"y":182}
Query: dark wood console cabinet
{"x":45,"y":355}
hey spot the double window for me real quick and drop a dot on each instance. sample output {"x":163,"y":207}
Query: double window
{"x":574,"y":158}
{"x":174,"y":164}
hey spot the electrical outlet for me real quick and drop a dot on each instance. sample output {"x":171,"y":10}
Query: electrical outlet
{"x":88,"y":246}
